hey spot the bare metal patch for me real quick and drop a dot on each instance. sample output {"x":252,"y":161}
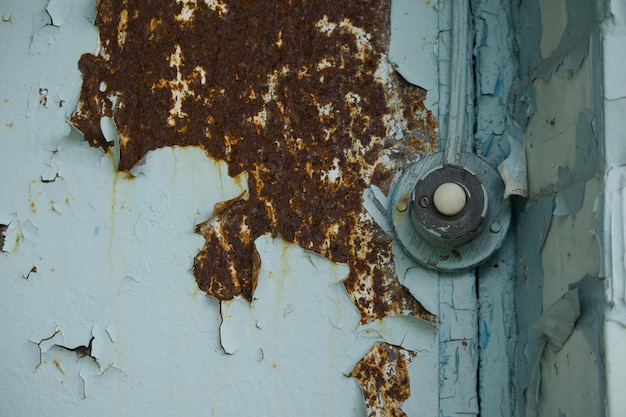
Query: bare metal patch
{"x":299,"y":96}
{"x":383,"y":375}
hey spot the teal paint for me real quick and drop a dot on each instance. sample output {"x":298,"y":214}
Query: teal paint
{"x":495,"y":73}
{"x":497,"y":332}
{"x":536,"y":218}
{"x":556,"y":205}
{"x":592,"y":292}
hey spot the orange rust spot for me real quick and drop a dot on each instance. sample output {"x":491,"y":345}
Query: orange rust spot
{"x":33,"y":208}
{"x":298,"y":96}
{"x":10,"y":124}
{"x":383,"y":375}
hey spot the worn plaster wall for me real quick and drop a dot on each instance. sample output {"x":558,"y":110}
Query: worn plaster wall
{"x":559,"y":281}
{"x":103,"y":311}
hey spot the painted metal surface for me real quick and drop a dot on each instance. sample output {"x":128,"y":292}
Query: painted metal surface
{"x":296,"y":96}
{"x":226,"y":254}
{"x":110,"y":320}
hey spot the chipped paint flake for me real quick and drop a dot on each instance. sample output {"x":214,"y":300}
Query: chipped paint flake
{"x":303,"y":99}
{"x":190,"y":7}
{"x":383,"y":375}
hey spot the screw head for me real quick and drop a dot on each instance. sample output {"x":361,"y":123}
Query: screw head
{"x":401,"y":206}
{"x":495,"y":227}
{"x":424,"y":201}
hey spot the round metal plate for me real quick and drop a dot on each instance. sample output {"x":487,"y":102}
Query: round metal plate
{"x":451,"y":257}
{"x":445,"y":230}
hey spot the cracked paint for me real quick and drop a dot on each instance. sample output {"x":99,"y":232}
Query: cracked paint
{"x":107,"y":256}
{"x":309,"y":113}
{"x":71,"y":360}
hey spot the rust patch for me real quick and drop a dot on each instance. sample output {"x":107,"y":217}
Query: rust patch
{"x":383,"y":375}
{"x":297,"y":94}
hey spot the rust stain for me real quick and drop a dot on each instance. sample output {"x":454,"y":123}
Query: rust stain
{"x":298,"y":94}
{"x":383,"y":375}
{"x":57,"y":364}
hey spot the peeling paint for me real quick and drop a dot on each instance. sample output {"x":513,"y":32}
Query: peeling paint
{"x":85,"y":365}
{"x":11,"y":235}
{"x":3,"y":229}
{"x":303,"y":111}
{"x":557,"y":321}
{"x":383,"y":377}
{"x":559,"y":110}
{"x":311,"y":116}
{"x":416,"y":61}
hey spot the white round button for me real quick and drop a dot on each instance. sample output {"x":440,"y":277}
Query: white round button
{"x":449,"y":199}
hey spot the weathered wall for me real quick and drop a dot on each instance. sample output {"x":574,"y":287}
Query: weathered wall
{"x":559,"y":288}
{"x":242,"y":265}
{"x":106,"y":307}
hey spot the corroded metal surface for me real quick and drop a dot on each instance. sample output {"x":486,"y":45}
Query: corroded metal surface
{"x":297,"y":94}
{"x":383,"y":375}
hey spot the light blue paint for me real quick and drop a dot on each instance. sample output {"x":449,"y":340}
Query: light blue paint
{"x":412,"y":50}
{"x":159,"y":344}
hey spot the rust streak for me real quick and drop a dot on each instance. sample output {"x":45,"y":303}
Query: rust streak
{"x":297,"y":94}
